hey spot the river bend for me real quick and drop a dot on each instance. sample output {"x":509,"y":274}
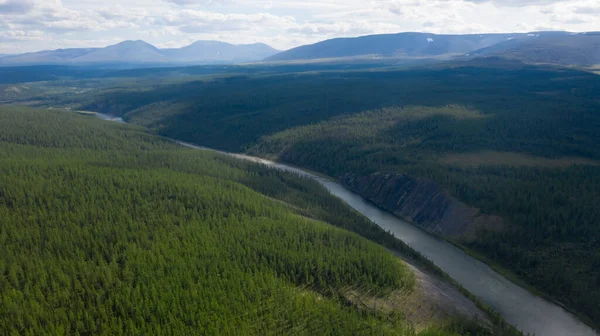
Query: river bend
{"x":528,"y":312}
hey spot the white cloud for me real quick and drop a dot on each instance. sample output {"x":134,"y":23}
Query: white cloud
{"x":28,"y":25}
{"x":15,"y":6}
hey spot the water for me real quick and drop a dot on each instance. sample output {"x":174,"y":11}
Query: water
{"x":110,"y":118}
{"x":517,"y":306}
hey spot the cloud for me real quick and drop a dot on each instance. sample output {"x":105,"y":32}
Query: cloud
{"x":197,"y":2}
{"x":15,"y":6}
{"x":280,"y":23}
{"x":587,"y":10}
{"x":516,"y":3}
{"x":20,"y":35}
{"x":340,"y":28}
{"x":197,"y":22}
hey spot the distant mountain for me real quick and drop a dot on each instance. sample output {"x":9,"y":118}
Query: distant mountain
{"x":127,"y":52}
{"x":562,"y":49}
{"x":411,"y":45}
{"x":140,"y":52}
{"x":393,"y":45}
{"x":220,"y":52}
{"x":45,"y":57}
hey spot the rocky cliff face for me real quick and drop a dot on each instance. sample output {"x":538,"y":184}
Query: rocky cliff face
{"x":422,"y":202}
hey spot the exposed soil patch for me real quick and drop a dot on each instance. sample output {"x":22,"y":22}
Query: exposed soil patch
{"x":433,"y":302}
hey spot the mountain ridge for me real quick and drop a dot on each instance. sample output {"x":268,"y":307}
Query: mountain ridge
{"x":216,"y":50}
{"x":550,"y":47}
{"x":141,"y":52}
{"x":574,"y":49}
{"x":401,"y":44}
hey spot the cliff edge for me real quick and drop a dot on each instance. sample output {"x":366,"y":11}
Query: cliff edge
{"x":423,"y":202}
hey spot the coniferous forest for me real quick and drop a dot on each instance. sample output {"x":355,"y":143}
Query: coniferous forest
{"x":515,"y":141}
{"x":106,"y":229}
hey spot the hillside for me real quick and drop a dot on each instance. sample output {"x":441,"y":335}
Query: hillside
{"x":403,"y":45}
{"x":109,"y":230}
{"x":572,"y":49}
{"x":518,"y":143}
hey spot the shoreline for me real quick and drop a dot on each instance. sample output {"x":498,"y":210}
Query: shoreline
{"x":513,"y":279}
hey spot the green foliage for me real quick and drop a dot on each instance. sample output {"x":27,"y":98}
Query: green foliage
{"x":107,"y":230}
{"x":540,"y":111}
{"x":417,"y":117}
{"x":552,"y":241}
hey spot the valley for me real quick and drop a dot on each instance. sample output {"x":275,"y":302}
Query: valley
{"x":493,"y":156}
{"x":529,"y":313}
{"x":410,"y":122}
{"x":301,"y":168}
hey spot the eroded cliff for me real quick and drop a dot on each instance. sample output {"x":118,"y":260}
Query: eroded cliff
{"x":423,"y":202}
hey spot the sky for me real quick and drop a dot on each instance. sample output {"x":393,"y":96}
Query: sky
{"x":32,"y":25}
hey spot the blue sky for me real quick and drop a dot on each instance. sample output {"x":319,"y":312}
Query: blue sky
{"x":31,"y":25}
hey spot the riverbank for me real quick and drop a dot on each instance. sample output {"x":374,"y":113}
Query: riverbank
{"x":522,"y":283}
{"x":440,"y":285}
{"x":519,"y":306}
{"x":515,"y":304}
{"x":424,"y":204}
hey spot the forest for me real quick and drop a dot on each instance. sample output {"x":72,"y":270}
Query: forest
{"x":552,"y":234}
{"x":106,"y":229}
{"x":516,"y":141}
{"x":61,"y":73}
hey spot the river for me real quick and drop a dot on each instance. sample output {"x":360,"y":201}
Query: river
{"x":528,"y":312}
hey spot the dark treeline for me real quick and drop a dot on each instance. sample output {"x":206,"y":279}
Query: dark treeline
{"x":105,"y":229}
{"x":51,"y":73}
{"x":535,"y":110}
{"x":418,"y":118}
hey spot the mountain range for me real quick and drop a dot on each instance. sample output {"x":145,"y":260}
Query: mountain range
{"x":393,"y":45}
{"x":555,"y":47}
{"x":140,"y":52}
{"x":571,"y":49}
{"x":562,"y":48}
